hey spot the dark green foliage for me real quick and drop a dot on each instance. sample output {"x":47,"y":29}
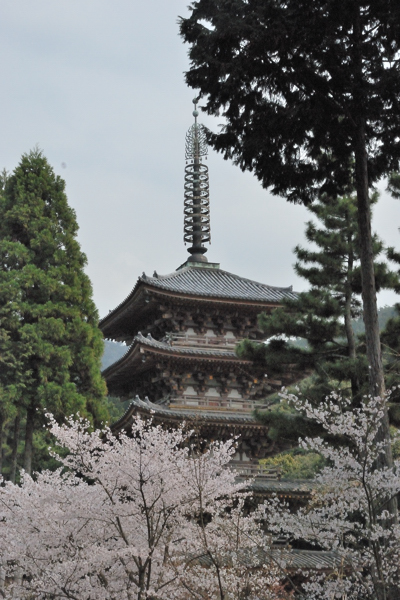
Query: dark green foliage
{"x":47,"y":315}
{"x":295,"y":464}
{"x":384,"y":314}
{"x":324,"y":315}
{"x":285,"y":424}
{"x":393,"y":186}
{"x":294,"y":81}
{"x":116,"y":408}
{"x":391,"y":354}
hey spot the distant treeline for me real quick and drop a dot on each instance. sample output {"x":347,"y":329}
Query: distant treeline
{"x":384,"y":314}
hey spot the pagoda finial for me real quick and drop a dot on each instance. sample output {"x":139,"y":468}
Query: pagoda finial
{"x":197,"y":201}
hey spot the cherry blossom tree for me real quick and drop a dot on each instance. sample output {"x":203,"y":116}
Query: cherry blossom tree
{"x":348,"y":511}
{"x":142,"y":517}
{"x":148,"y":517}
{"x":228,"y":553}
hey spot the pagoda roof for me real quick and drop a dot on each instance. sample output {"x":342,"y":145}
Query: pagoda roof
{"x":188,"y":284}
{"x":160,"y":411}
{"x":318,"y":560}
{"x":179,"y":351}
{"x":216,"y":283}
{"x":121,"y":370}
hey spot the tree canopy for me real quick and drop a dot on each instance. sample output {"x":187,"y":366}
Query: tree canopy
{"x":147,"y":518}
{"x":47,"y":315}
{"x":293,"y":79}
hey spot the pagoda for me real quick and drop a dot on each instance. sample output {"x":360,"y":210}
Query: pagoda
{"x":181,"y":330}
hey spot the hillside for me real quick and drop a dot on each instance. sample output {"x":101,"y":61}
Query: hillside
{"x":384,"y":314}
{"x":112,"y":352}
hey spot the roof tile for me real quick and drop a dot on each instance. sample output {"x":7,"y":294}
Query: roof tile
{"x":219,"y":284}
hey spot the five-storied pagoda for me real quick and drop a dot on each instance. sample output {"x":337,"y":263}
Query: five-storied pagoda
{"x":181,"y":330}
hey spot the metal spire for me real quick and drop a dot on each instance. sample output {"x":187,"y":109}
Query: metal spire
{"x":196,"y":228}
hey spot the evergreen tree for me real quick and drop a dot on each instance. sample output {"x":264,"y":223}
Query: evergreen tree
{"x":323,"y":315}
{"x":9,"y":364}
{"x":47,"y":315}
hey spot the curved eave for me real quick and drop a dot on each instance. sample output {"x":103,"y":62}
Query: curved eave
{"x":128,"y":311}
{"x":217,"y":283}
{"x":141,"y":348}
{"x":128,"y":314}
{"x":235,"y":422}
{"x":116,"y":318}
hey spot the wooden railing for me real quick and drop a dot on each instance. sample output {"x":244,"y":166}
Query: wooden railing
{"x":255,"y":470}
{"x":184,"y":339}
{"x":217,"y":404}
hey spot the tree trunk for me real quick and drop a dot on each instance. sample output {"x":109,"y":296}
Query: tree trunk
{"x":351,"y":340}
{"x":30,"y":426}
{"x":14,"y":447}
{"x":373,"y":345}
{"x":17,"y":583}
{"x":370,"y":309}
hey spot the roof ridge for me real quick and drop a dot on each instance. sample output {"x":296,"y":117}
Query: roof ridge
{"x":189,"y":268}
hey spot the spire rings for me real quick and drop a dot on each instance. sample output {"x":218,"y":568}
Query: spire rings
{"x":196,"y":203}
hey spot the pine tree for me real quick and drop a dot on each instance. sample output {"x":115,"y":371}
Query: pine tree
{"x":47,"y":315}
{"x":323,"y":315}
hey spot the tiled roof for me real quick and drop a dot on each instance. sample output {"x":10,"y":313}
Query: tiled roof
{"x":218,"y":284}
{"x":214,"y":351}
{"x":278,"y":486}
{"x":182,"y":414}
{"x":295,"y":560}
{"x":197,"y":282}
{"x":307,"y":559}
{"x":287,"y":558}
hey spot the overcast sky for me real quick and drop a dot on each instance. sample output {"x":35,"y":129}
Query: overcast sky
{"x":99,"y":86}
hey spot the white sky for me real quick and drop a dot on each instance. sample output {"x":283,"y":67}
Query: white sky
{"x":99,"y":86}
